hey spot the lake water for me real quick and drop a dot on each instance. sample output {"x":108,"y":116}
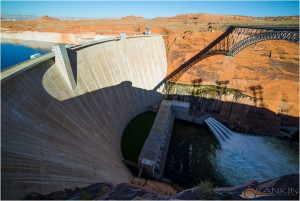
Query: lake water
{"x":17,"y":51}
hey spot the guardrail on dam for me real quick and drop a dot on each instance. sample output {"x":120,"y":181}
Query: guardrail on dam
{"x":55,"y":136}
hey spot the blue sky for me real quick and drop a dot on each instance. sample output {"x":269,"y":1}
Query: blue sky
{"x":149,"y":9}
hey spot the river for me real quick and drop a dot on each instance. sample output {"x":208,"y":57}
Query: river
{"x":196,"y":155}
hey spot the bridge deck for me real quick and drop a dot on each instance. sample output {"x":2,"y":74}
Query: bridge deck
{"x":287,"y":28}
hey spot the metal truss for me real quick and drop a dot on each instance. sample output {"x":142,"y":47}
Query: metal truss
{"x":274,"y":35}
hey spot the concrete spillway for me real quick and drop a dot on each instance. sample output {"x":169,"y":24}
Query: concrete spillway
{"x":55,"y":136}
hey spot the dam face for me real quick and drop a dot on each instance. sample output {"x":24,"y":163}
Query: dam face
{"x":55,"y":136}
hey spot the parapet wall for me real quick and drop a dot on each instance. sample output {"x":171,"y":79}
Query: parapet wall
{"x":55,"y":137}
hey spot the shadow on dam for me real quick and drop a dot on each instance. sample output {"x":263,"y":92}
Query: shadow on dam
{"x":49,"y":145}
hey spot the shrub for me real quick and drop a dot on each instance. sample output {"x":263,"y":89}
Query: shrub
{"x":85,"y":196}
{"x":103,"y":191}
{"x":205,"y":190}
{"x":226,"y":196}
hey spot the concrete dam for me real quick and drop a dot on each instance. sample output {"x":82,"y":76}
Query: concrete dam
{"x":62,"y":129}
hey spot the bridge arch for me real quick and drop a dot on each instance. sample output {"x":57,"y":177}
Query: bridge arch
{"x":288,"y":36}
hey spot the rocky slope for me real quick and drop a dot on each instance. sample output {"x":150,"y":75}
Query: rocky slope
{"x":280,"y":188}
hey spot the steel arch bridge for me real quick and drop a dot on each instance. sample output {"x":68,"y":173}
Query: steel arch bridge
{"x":231,"y":42}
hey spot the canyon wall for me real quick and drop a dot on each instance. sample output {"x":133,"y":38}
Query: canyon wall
{"x":272,"y":66}
{"x":56,"y":137}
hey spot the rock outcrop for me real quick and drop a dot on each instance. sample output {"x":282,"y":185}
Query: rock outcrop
{"x":46,"y":18}
{"x":280,"y":188}
{"x":132,"y":17}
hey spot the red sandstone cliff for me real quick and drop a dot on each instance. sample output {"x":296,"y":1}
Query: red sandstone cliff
{"x":272,"y":65}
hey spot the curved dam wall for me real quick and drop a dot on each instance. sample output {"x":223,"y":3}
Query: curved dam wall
{"x":56,"y":137}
